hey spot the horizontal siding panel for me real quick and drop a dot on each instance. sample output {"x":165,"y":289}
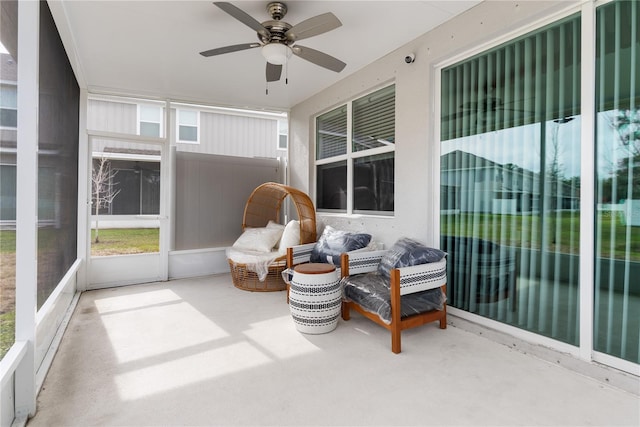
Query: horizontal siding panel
{"x":110,"y":116}
{"x":238,"y":136}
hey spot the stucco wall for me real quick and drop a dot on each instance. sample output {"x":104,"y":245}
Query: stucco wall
{"x":417,"y":153}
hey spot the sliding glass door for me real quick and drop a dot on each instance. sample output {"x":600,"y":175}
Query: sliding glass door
{"x":617,"y":264}
{"x":510,"y":181}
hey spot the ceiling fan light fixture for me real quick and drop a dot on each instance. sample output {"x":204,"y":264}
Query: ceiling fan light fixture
{"x":276,"y":53}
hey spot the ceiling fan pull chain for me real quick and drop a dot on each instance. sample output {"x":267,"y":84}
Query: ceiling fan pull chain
{"x":286,"y":71}
{"x":266,"y":90}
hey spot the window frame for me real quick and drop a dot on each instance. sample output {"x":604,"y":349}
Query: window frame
{"x":139,"y":120}
{"x":351,"y":156}
{"x":283,"y":134}
{"x":178,"y":125}
{"x":12,"y":108}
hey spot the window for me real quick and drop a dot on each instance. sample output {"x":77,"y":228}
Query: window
{"x":510,"y":181}
{"x":8,"y":105}
{"x":283,"y":134}
{"x":188,"y":125}
{"x":374,"y":120}
{"x":7,"y":193}
{"x":355,"y":171}
{"x":331,"y":134}
{"x":150,"y":120}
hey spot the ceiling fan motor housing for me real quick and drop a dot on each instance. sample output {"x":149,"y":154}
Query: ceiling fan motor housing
{"x":277,"y":10}
{"x":277,"y":30}
{"x":276,"y":27}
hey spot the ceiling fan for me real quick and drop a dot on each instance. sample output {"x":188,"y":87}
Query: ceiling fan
{"x":278,"y":38}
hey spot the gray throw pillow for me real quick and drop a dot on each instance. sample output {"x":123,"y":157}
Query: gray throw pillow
{"x":333,"y":243}
{"x":407,"y":252}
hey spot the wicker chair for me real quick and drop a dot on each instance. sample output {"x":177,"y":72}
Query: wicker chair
{"x":264,"y":205}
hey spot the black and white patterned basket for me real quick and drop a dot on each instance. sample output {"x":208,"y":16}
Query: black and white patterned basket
{"x":315,"y":301}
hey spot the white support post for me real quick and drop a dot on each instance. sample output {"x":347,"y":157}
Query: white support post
{"x":167,"y":172}
{"x":27,"y":205}
{"x":350,"y":167}
{"x":84,"y":195}
{"x":587,"y":192}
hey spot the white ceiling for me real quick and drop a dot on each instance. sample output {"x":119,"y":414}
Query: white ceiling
{"x":152,"y":47}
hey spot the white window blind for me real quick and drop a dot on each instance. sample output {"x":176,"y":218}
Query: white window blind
{"x":331,"y":133}
{"x":374,"y":119}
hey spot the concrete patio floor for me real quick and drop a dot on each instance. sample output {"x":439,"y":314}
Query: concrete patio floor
{"x":201,"y":352}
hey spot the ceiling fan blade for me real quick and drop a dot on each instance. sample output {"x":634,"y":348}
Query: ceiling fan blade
{"x":229,"y":49}
{"x":273,"y":72}
{"x":313,"y":27}
{"x":243,"y":17}
{"x":319,"y":58}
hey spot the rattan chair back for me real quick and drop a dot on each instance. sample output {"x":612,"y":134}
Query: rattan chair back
{"x":265,"y":202}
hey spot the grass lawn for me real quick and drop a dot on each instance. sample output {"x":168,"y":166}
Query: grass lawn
{"x":120,"y":241}
{"x":7,"y":241}
{"x":7,"y":289}
{"x":7,"y":332}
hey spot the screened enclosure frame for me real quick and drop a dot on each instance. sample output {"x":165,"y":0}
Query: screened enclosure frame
{"x":160,"y":269}
{"x":585,"y":349}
